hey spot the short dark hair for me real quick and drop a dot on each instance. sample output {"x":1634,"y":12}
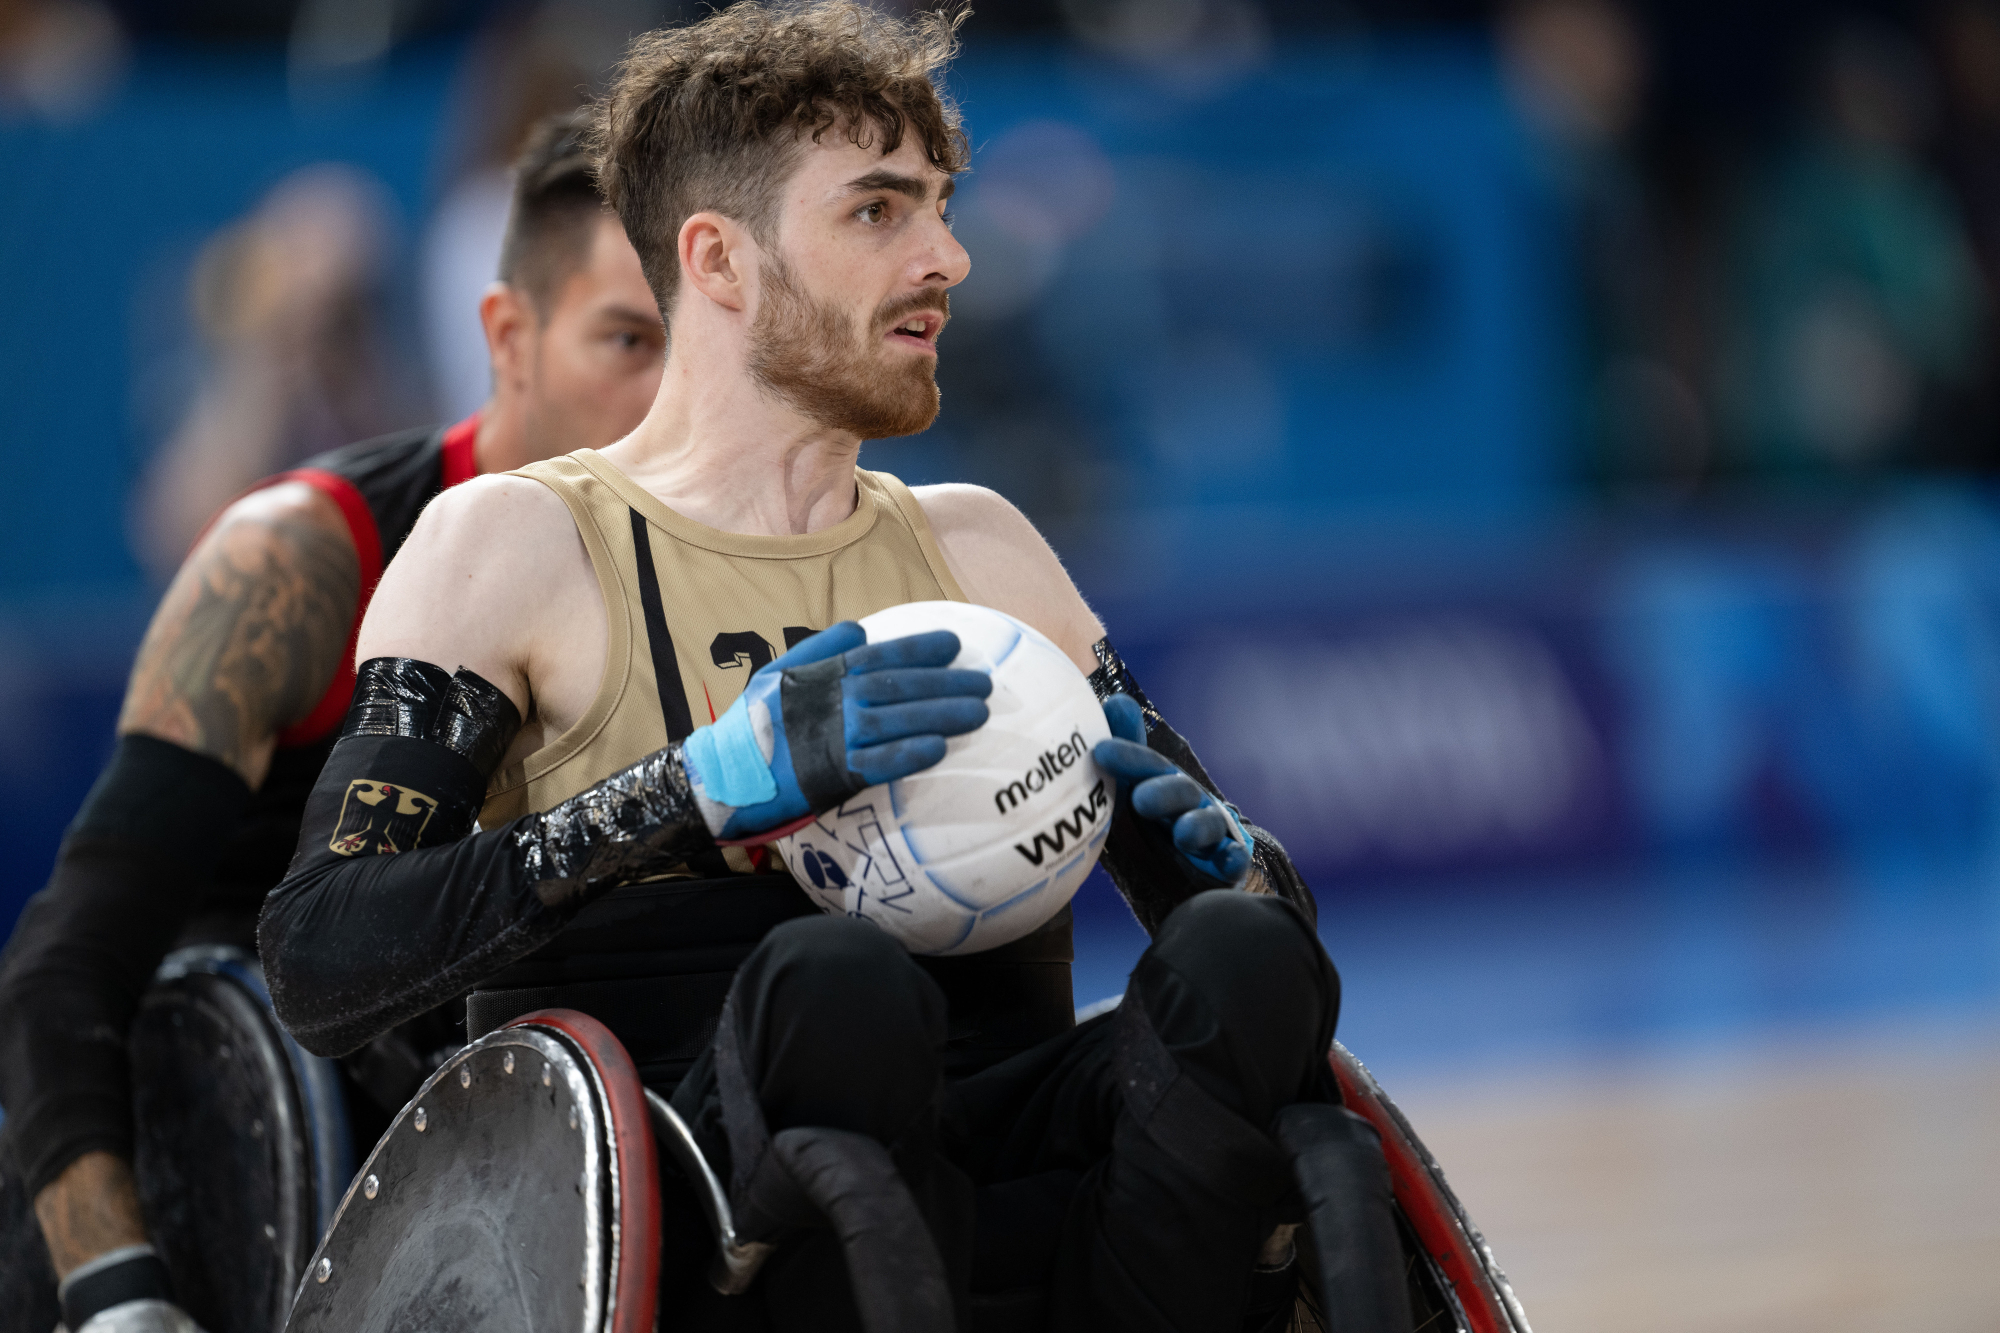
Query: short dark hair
{"x":709,"y":116}
{"x":555,"y":210}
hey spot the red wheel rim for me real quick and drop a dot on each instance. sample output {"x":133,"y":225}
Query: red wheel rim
{"x":635,"y":1282}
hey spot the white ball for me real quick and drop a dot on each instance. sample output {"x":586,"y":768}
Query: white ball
{"x":987,"y":844}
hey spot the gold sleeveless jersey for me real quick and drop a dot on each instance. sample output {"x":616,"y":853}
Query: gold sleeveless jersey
{"x":692,"y":611}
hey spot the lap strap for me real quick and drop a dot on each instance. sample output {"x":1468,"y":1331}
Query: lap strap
{"x":807,"y":1176}
{"x":1332,"y":1157}
{"x":742,"y":1116}
{"x":834,"y":1177}
{"x":1222,"y":1151}
{"x":1351,"y":1207}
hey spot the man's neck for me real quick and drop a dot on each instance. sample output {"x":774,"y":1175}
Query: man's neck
{"x":502,"y":442}
{"x":719,"y":449}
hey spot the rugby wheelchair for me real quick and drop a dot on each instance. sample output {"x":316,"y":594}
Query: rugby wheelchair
{"x":519,"y":1191}
{"x":242,"y":1153}
{"x":436,"y":1233}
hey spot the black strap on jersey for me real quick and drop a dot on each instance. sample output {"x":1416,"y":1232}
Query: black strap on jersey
{"x":676,"y":710}
{"x":1139,"y":853}
{"x":390,"y":908}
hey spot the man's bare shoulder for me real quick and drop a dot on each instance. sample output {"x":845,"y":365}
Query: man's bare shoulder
{"x":473,"y":581}
{"x":964,"y":514}
{"x":488,"y":515}
{"x":963,"y":501}
{"x":1000,"y":560}
{"x":491,"y":532}
{"x":963,"y":505}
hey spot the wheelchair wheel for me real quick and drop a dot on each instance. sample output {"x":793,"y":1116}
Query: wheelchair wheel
{"x":1455,"y":1284}
{"x":241,"y":1140}
{"x":516,"y":1193}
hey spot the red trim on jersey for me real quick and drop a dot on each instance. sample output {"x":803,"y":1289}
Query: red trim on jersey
{"x":457,"y":465}
{"x":332,"y":705}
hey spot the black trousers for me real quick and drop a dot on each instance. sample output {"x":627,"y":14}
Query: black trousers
{"x":1051,"y":1207}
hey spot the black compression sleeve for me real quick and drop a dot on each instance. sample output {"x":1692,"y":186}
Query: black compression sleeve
{"x":130,"y":872}
{"x":1139,"y":853}
{"x":390,"y":909}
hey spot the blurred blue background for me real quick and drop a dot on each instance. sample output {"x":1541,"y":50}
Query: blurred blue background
{"x":1541,"y":454}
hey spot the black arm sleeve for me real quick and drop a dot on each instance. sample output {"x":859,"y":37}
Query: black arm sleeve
{"x":1139,"y":853}
{"x":131,"y":871}
{"x":390,"y":908}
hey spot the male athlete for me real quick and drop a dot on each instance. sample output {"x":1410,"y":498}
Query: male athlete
{"x":590,"y":657}
{"x":242,"y":678}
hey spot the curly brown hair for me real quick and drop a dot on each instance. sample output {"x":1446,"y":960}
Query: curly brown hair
{"x":712,"y":117}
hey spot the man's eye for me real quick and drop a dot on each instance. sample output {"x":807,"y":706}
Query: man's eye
{"x":948,"y":217}
{"x":873,"y":212}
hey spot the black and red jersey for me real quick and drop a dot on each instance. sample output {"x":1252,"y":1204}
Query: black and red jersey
{"x":381,"y":486}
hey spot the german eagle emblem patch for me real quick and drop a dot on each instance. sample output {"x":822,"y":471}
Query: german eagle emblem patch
{"x":380,"y":817}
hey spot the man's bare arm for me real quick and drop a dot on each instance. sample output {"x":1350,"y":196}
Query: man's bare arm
{"x":1001,"y":561}
{"x":250,"y":632}
{"x":91,"y":1209}
{"x":495,"y":579}
{"x":243,"y":644}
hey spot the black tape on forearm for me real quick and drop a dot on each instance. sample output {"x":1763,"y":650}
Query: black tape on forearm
{"x":1139,"y":853}
{"x":130,"y":873}
{"x":389,"y":909}
{"x":640,"y":822}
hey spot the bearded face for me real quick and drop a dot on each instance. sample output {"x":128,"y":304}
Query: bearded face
{"x":810,"y":353}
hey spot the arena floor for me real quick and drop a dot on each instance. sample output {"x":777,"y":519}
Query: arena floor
{"x":1742,"y":1101}
{"x":1842,"y":1185}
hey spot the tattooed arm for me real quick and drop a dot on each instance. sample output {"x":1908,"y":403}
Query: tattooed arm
{"x":247,"y":638}
{"x":250,"y":632}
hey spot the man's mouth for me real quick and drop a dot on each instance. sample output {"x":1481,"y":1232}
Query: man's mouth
{"x":918,"y":330}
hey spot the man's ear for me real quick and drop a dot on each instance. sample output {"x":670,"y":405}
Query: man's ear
{"x":510,"y":321}
{"x":712,"y":253}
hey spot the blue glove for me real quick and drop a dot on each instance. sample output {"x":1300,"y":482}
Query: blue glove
{"x":1205,"y":831}
{"x":832,"y":717}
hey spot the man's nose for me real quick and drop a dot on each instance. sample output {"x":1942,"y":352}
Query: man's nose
{"x":948,"y":261}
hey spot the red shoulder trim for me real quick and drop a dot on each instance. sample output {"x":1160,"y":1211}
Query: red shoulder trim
{"x":459,"y":464}
{"x":332,"y":705}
